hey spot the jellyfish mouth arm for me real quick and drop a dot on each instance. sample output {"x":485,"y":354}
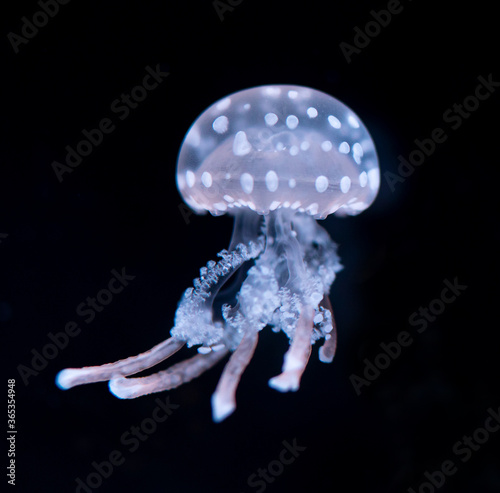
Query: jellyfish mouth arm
{"x":183,"y":372}
{"x":71,"y":377}
{"x":193,"y":318}
{"x":223,"y":399}
{"x":327,"y":350}
{"x":297,"y":356}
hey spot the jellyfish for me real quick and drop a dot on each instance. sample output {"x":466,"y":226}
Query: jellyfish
{"x":277,"y":158}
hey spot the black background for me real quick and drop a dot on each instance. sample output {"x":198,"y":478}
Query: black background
{"x":120,"y":208}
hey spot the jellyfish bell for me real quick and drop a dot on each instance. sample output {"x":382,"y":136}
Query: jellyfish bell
{"x":273,"y":147}
{"x":277,"y":158}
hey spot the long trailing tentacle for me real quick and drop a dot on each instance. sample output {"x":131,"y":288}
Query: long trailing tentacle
{"x":70,"y":377}
{"x":223,"y":399}
{"x":311,"y":265}
{"x":188,"y":315}
{"x":320,"y":257}
{"x":185,"y":371}
{"x":297,"y":356}
{"x":287,"y":287}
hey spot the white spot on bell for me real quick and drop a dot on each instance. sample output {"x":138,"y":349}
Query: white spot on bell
{"x":190,"y":178}
{"x":345,"y":184}
{"x":363,"y":179}
{"x":312,"y":112}
{"x":271,"y":91}
{"x":374,"y":178}
{"x":357,"y":149}
{"x":246,"y":181}
{"x":206,"y":179}
{"x":220,"y":124}
{"x":220,"y":206}
{"x":272,"y":181}
{"x":292,"y":121}
{"x":292,"y":183}
{"x":223,"y":104}
{"x":353,"y":122}
{"x":193,"y":137}
{"x":334,"y":121}
{"x":321,"y":183}
{"x":271,"y":119}
{"x":344,"y":148}
{"x":326,"y":145}
{"x":241,"y":146}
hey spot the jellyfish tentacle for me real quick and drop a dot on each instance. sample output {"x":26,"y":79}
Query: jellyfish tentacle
{"x":191,"y":310}
{"x":320,"y":257}
{"x":183,"y":372}
{"x":297,"y":356}
{"x":223,"y":399}
{"x":311,"y":265}
{"x":327,"y":350}
{"x":298,"y":286}
{"x":70,"y":377}
{"x":319,"y":251}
